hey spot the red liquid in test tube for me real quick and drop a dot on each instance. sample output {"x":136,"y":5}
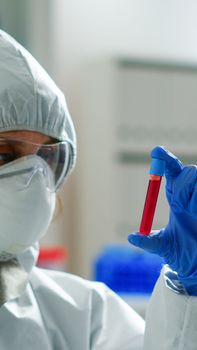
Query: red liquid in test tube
{"x":150,"y":204}
{"x":157,"y":166}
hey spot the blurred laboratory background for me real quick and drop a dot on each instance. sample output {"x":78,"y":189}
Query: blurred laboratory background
{"x":129,"y":73}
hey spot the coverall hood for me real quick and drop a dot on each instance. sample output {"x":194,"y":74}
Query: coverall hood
{"x":29,"y":99}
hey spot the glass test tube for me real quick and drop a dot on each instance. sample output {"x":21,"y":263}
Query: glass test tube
{"x":156,"y":173}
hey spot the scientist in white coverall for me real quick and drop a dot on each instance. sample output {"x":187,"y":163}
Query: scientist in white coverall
{"x":45,"y":310}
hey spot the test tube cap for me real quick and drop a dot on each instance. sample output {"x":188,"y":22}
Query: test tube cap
{"x":157,"y":167}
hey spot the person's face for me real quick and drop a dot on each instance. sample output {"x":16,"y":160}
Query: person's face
{"x":7,"y":149}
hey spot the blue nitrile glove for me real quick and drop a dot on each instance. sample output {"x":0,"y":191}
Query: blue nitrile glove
{"x":177,"y":242}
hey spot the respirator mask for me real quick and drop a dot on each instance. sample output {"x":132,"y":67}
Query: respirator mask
{"x":30,"y":174}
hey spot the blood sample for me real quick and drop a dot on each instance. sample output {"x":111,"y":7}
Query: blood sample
{"x":156,"y":172}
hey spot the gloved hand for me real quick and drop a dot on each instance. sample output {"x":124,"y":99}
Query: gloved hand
{"x":177,"y":242}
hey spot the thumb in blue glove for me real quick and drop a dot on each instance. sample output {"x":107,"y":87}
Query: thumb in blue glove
{"x":177,"y":242}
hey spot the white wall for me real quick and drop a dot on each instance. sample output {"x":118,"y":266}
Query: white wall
{"x":154,"y":28}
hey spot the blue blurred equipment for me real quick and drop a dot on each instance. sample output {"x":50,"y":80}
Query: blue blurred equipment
{"x":177,"y":242}
{"x":127,"y":271}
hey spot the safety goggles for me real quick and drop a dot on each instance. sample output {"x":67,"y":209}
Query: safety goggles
{"x":55,"y":160}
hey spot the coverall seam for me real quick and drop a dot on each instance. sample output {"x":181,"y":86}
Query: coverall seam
{"x":41,"y":315}
{"x":35,"y":295}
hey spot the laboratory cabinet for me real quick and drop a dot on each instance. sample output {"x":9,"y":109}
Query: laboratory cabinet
{"x":127,"y":106}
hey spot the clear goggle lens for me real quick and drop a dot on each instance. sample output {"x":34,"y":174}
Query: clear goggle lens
{"x":17,"y":157}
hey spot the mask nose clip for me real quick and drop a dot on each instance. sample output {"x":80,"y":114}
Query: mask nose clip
{"x":33,"y":173}
{"x":23,"y":171}
{"x":45,"y":172}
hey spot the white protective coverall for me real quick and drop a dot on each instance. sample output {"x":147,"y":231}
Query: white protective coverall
{"x":61,"y":311}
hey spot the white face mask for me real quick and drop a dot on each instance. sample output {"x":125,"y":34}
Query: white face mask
{"x":26,"y":207}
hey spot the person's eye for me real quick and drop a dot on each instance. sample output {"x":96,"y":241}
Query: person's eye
{"x":6,"y":158}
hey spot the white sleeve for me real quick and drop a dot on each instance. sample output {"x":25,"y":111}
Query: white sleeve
{"x":171,"y":320}
{"x":115,"y":325}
